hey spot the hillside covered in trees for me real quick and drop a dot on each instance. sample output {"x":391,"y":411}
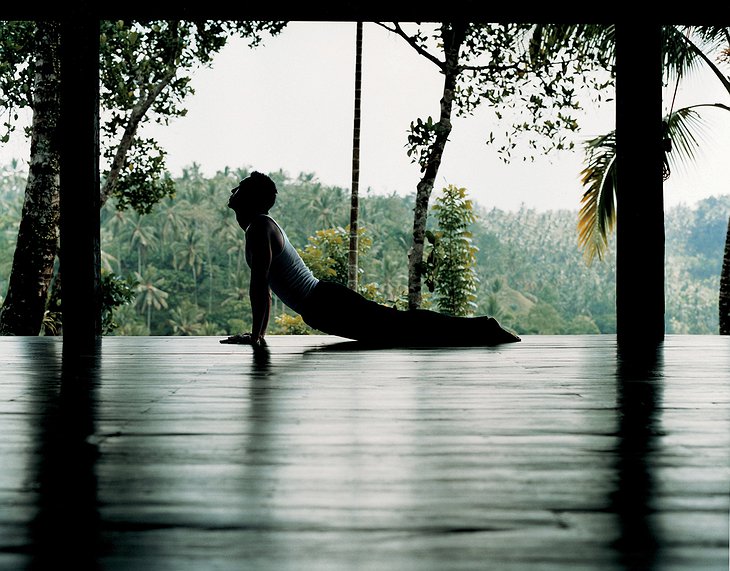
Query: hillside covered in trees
{"x":184,"y":262}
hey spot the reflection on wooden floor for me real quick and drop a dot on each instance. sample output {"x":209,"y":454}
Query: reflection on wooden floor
{"x":179,"y":453}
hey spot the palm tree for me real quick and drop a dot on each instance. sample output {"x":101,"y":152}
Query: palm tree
{"x":106,"y":261}
{"x":238,"y":291}
{"x":190,"y":254}
{"x":391,"y":277}
{"x":172,"y":223}
{"x":598,"y":212}
{"x":324,"y":206}
{"x":354,"y":200}
{"x":494,"y":308}
{"x":724,"y":295}
{"x":229,"y":235}
{"x":685,"y":48}
{"x":142,"y":236}
{"x":114,"y":223}
{"x":149,"y":295}
{"x":186,"y":319}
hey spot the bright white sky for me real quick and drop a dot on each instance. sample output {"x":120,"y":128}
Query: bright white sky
{"x":288,"y":104}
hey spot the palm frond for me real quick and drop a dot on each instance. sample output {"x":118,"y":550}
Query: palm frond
{"x":688,"y":132}
{"x":597,"y":215}
{"x":546,"y":40}
{"x":680,"y":55}
{"x":685,"y":128}
{"x":713,"y":40}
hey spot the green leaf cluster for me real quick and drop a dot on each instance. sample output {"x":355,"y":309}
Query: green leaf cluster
{"x":17,"y":70}
{"x":327,"y":251}
{"x":451,"y":264}
{"x":116,"y":292}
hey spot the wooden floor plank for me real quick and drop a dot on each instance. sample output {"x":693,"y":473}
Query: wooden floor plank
{"x":182,"y":453}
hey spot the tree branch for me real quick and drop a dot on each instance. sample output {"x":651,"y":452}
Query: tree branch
{"x":396,"y":29}
{"x":137,"y":114}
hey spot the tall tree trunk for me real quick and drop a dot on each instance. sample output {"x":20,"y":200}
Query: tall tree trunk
{"x":725,"y":287}
{"x":453,"y":37}
{"x":354,"y":198}
{"x":35,"y":251}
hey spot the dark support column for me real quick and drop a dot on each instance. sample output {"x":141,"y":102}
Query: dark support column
{"x":640,"y":201}
{"x":79,"y":183}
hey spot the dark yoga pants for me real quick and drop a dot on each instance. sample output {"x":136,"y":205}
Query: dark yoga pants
{"x":337,"y":310}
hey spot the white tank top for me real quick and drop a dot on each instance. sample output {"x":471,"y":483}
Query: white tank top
{"x":289,"y":277}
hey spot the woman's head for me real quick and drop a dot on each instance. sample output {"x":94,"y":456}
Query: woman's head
{"x":255,"y":194}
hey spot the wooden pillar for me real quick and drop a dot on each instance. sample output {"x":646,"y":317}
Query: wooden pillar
{"x":79,"y":183}
{"x":639,"y":189}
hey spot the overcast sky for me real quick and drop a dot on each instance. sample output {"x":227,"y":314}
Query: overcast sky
{"x":288,"y":104}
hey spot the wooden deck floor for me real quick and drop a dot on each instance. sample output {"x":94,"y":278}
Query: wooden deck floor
{"x":180,"y":453}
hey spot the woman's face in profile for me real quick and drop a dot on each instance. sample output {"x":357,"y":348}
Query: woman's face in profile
{"x":241,"y":204}
{"x":236,"y":199}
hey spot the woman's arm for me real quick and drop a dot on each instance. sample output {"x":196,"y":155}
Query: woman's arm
{"x":264,"y":241}
{"x":259,"y":239}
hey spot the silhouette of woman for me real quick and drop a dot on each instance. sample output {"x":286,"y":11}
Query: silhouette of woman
{"x":330,"y":307}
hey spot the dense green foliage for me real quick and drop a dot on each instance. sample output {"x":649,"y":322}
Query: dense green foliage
{"x":451,"y":272}
{"x":695,"y":243}
{"x":187,"y":259}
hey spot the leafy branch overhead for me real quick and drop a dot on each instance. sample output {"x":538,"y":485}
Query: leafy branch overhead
{"x":537,"y":73}
{"x":144,"y":67}
{"x":18,"y":41}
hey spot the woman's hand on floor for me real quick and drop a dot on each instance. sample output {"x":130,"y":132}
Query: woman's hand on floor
{"x":244,"y":339}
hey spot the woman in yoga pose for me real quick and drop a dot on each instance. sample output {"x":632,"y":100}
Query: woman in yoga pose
{"x":330,"y":307}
